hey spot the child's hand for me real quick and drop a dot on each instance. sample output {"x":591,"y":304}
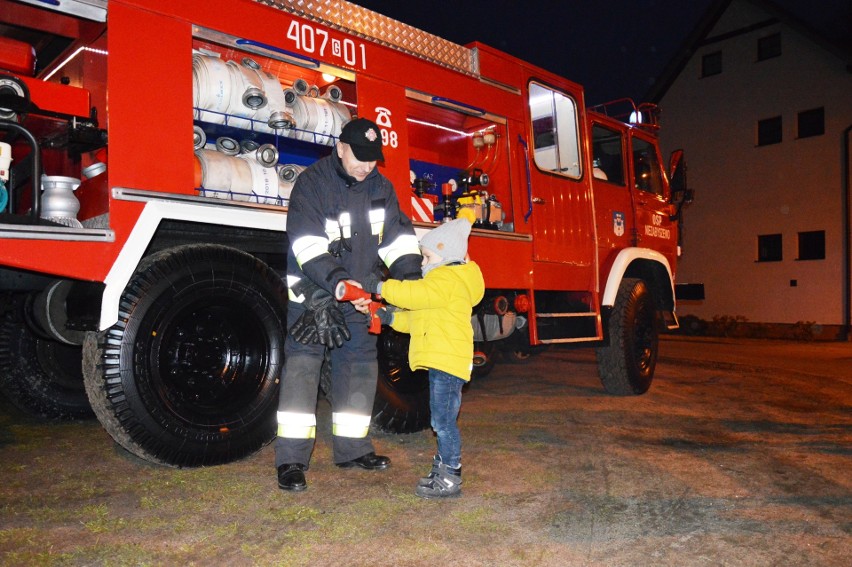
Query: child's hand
{"x":371,"y":283}
{"x":385,"y":315}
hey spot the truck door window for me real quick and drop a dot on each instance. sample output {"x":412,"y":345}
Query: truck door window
{"x":607,"y":155}
{"x":646,"y":167}
{"x":555,"y":134}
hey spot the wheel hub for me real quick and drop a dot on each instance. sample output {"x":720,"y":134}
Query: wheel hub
{"x":209,"y":358}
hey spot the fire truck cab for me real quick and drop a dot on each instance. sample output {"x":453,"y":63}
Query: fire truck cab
{"x":150,"y":148}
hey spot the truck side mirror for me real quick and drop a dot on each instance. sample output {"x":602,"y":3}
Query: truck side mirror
{"x":677,"y":179}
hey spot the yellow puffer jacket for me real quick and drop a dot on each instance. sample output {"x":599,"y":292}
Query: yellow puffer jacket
{"x":438,"y":316}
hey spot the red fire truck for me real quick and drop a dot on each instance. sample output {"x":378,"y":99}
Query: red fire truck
{"x":148,"y":148}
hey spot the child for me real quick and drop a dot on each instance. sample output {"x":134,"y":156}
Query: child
{"x":437,"y":312}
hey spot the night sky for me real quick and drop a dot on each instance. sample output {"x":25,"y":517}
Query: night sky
{"x":614,"y":48}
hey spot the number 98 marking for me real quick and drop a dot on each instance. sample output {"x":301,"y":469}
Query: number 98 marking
{"x":390,"y":138}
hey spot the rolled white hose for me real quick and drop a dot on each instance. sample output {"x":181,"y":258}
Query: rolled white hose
{"x":227,"y":146}
{"x":211,"y":88}
{"x":301,"y":86}
{"x":248,"y":146}
{"x":333,"y":93}
{"x":277,"y":115}
{"x":289,"y":172}
{"x":265,"y":181}
{"x":224,"y":176}
{"x":199,"y":137}
{"x":267,"y":155}
{"x":316,"y":119}
{"x":268,"y":84}
{"x":253,"y":96}
{"x":247,"y":97}
{"x":216,"y":171}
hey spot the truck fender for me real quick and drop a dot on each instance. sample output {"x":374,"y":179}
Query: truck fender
{"x":621,"y":264}
{"x":154,"y":212}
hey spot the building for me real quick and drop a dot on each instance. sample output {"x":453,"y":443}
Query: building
{"x":762,"y":105}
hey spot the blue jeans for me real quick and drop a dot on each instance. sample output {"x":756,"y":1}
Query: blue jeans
{"x":445,"y":392}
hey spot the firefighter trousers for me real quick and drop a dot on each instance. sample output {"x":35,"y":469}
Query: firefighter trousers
{"x":354,"y":369}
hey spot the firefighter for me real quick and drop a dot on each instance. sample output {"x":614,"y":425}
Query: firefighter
{"x":343,"y":218}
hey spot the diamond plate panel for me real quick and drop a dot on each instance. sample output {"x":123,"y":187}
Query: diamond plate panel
{"x":369,"y":25}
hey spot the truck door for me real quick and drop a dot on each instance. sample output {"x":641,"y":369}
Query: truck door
{"x":561,"y":203}
{"x":613,"y":199}
{"x":654,"y":227}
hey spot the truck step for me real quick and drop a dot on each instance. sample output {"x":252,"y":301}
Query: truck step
{"x":568,"y":327}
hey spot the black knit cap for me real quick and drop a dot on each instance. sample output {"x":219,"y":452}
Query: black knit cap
{"x":364,"y":138}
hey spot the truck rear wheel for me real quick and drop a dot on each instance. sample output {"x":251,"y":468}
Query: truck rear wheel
{"x":484,"y":358}
{"x":402,"y":394}
{"x":626,"y":366}
{"x":188,"y":376}
{"x":42,"y":377}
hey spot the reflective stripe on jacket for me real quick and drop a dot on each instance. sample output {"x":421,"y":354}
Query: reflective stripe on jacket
{"x":339,"y":229}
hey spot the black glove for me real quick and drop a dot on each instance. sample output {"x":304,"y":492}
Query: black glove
{"x":322,"y":322}
{"x":331,"y":325}
{"x":304,"y":330}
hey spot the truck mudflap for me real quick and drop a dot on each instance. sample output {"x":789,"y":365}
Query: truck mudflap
{"x":689,"y":291}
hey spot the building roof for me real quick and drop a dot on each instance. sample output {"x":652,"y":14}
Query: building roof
{"x":837,"y":41}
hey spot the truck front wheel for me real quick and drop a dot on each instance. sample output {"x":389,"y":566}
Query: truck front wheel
{"x":188,"y":376}
{"x":626,"y":366}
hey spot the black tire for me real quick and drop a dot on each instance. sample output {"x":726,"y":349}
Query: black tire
{"x":518,"y":356}
{"x":626,"y":366}
{"x":488,"y":349}
{"x":402,"y":395}
{"x":41,"y":377}
{"x":188,"y":376}
{"x":517,"y":349}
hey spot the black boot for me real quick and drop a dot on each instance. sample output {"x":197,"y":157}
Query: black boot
{"x":370,"y":461}
{"x":291,"y":477}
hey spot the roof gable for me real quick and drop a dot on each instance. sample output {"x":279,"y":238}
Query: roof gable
{"x":701,"y":36}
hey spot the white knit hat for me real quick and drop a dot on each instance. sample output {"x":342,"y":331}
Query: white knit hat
{"x":449,"y":241}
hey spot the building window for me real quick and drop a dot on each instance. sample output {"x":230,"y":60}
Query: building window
{"x":769,"y":248}
{"x":711,"y":64}
{"x":769,"y":47}
{"x":769,"y":131}
{"x":812,"y":245}
{"x":812,"y":123}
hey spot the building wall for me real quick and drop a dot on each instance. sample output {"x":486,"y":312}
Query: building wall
{"x":744,"y":190}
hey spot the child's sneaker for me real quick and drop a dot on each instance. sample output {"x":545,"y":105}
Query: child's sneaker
{"x":442,"y":482}
{"x":424,"y":481}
